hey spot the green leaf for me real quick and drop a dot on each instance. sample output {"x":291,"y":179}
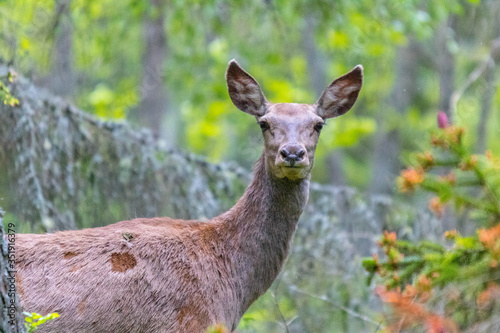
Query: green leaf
{"x":369,"y":264}
{"x":466,"y":242}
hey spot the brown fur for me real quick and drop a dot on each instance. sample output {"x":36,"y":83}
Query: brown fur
{"x":121,"y":262}
{"x":69,"y":255}
{"x":165,"y":275}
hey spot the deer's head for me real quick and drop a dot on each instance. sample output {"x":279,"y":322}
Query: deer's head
{"x":291,"y":131}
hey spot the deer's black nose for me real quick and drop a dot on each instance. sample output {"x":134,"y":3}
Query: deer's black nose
{"x":292,"y":154}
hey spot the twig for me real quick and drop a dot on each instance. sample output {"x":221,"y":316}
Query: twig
{"x":473,"y":76}
{"x":338,"y":306}
{"x":273,"y":296}
{"x":285,"y":323}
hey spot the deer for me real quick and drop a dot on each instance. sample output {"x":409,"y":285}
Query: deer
{"x":169,"y":275}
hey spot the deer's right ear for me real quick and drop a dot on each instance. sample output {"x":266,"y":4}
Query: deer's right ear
{"x":244,"y":91}
{"x":341,"y":94}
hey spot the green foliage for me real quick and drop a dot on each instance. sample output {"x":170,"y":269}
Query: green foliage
{"x":33,"y":320}
{"x":5,"y":95}
{"x":107,"y":104}
{"x":267,"y":38}
{"x":347,"y":133}
{"x":468,"y":264}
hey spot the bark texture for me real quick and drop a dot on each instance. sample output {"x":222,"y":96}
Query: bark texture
{"x":487,"y":96}
{"x":153,"y":94}
{"x":316,"y":64}
{"x":62,"y":80}
{"x":386,"y":163}
{"x":445,"y":66}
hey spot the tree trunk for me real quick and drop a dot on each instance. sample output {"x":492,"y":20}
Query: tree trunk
{"x":487,"y":98}
{"x":445,"y":66}
{"x":445,"y":63}
{"x":386,"y":152}
{"x":153,"y":95}
{"x":486,"y":102}
{"x":316,"y":65}
{"x":62,"y":79}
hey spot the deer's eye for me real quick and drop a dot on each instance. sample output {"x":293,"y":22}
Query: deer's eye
{"x":318,"y":127}
{"x":263,"y":125}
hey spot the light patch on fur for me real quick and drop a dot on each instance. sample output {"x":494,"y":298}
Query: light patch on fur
{"x":331,"y":97}
{"x":254,"y":97}
{"x":334,"y":90}
{"x":238,"y":86}
{"x":121,"y":262}
{"x":345,"y":101}
{"x":350,"y":89}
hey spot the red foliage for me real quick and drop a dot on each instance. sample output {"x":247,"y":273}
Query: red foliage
{"x":436,"y":206}
{"x":491,"y":239}
{"x":487,"y":296}
{"x":410,"y":178}
{"x":409,"y":311}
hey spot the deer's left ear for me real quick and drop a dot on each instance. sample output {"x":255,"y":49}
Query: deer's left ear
{"x":244,"y":90}
{"x":341,"y":94}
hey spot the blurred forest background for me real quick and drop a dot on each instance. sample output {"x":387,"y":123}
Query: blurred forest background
{"x":160,"y":64}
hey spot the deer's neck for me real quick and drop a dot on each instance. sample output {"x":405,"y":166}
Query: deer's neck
{"x":260,"y":228}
